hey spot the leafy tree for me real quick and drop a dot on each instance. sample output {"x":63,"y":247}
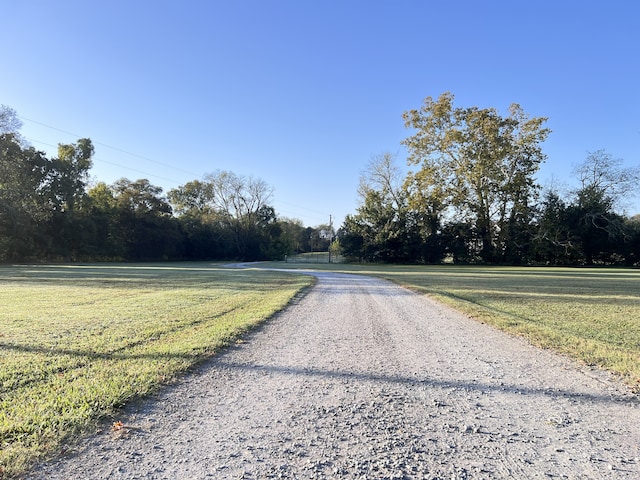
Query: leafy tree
{"x":377,"y":232}
{"x":484,"y":163}
{"x":70,"y":173}
{"x":554,"y":242}
{"x":278,"y":236}
{"x":69,"y":230}
{"x":145,"y":227}
{"x":354,"y":236}
{"x":631,"y":251}
{"x":305,"y":239}
{"x":460,"y":242}
{"x":101,"y":207}
{"x":24,"y":203}
{"x":38,"y":199}
{"x":47,"y":211}
{"x":294,"y":234}
{"x":195,"y":198}
{"x":140,"y":197}
{"x":233,"y":208}
{"x":201,"y":223}
{"x":394,"y":222}
{"x":427,"y":204}
{"x":597,"y":229}
{"x":427,"y":198}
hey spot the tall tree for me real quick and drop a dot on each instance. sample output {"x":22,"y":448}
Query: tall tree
{"x":195,"y":198}
{"x":603,"y":176}
{"x":243,"y":205}
{"x":67,"y":187}
{"x":70,"y":173}
{"x":604,"y":186}
{"x":485,"y":163}
{"x":145,"y":227}
{"x":554,"y":242}
{"x":383,"y":175}
{"x":201,"y":224}
{"x":25,"y":205}
{"x":632,"y":246}
{"x":102,"y":209}
{"x":384,"y":228}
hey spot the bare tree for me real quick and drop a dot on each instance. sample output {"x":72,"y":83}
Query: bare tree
{"x":243,"y":205}
{"x":383,"y":175}
{"x":604,"y":176}
{"x":9,"y":121}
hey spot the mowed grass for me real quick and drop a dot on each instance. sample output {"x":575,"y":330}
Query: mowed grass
{"x":590,"y":314}
{"x":77,"y":342}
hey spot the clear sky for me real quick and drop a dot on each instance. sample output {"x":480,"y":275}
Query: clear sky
{"x":302,"y":93}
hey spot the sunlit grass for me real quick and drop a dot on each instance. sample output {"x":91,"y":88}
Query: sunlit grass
{"x":590,"y":314}
{"x":77,"y":342}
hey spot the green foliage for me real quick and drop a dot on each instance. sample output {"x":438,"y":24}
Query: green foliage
{"x":195,"y":199}
{"x":25,"y":201}
{"x":47,"y":212}
{"x":70,"y":173}
{"x":477,"y":163}
{"x":379,"y":233}
{"x":474,"y":198}
{"x":390,"y":225}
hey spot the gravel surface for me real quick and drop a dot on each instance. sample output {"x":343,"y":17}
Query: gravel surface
{"x":363,"y":379}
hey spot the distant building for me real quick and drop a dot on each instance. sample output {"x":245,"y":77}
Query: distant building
{"x":325,"y":234}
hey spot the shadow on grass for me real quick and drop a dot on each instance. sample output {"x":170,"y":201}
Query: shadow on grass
{"x":116,"y":355}
{"x":83,"y":358}
{"x":146,"y":276}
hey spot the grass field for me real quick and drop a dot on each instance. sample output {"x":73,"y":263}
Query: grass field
{"x":76,"y":342}
{"x":590,"y":314}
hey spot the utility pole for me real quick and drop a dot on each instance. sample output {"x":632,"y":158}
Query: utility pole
{"x":330,"y":235}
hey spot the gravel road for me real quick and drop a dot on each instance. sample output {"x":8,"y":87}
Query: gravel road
{"x":363,"y":379}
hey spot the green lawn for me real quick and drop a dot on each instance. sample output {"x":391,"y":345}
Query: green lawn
{"x":76,"y":342}
{"x":590,"y":314}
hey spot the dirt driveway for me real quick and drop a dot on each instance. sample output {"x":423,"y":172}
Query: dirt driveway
{"x":363,"y":379}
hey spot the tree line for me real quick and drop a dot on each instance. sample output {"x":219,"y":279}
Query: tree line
{"x":473,"y":197}
{"x":49,"y":211}
{"x":470,"y":196}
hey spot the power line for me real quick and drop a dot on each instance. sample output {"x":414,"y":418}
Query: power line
{"x":98,"y":159}
{"x":110,"y":146}
{"x":118,"y":149}
{"x":317,"y":212}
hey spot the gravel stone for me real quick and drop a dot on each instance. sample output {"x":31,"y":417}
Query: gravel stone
{"x":362,"y":379}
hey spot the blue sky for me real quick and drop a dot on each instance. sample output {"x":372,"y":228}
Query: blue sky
{"x":301,"y":94}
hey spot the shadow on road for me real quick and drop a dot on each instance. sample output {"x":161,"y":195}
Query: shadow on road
{"x":416,"y":381}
